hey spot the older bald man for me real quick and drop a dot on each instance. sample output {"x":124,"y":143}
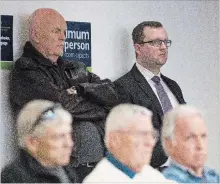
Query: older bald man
{"x":40,"y":73}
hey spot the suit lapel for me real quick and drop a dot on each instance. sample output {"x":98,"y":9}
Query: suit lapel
{"x":173,"y":89}
{"x":146,"y":88}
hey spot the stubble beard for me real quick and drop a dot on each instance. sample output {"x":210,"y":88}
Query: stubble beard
{"x":152,"y":65}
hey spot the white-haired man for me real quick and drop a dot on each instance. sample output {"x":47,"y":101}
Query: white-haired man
{"x":184,"y":137}
{"x":45,"y":140}
{"x":130,"y":139}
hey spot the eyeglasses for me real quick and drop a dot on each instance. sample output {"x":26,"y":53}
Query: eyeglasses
{"x":152,"y":134}
{"x":47,"y":114}
{"x":157,"y":43}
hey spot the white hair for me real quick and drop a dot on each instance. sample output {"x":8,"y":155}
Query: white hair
{"x":122,"y":116}
{"x":30,"y":113}
{"x":170,"y":118}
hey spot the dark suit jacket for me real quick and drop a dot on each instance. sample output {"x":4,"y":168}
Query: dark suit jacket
{"x":133,"y":88}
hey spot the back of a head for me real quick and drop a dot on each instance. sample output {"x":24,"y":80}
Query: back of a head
{"x":30,"y":119}
{"x":123,"y":116}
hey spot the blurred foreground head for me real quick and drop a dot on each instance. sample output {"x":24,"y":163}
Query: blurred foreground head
{"x":130,"y":136}
{"x":45,"y":131}
{"x":184,"y":137}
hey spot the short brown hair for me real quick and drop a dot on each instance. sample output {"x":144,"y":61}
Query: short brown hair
{"x":137,"y":34}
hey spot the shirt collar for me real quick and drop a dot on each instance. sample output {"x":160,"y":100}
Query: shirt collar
{"x":186,"y":169}
{"x":130,"y":173}
{"x":148,"y":75}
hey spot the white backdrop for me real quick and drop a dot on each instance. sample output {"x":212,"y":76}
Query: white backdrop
{"x":193,"y":62}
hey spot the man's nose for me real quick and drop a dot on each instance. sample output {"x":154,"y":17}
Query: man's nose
{"x":199,"y":143}
{"x":163,"y":46}
{"x":62,"y":36}
{"x":69,"y":141}
{"x":149,"y":143}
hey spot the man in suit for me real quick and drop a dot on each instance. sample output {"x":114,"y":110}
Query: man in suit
{"x":145,"y":85}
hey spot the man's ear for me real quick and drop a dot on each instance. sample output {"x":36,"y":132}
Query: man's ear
{"x":137,"y":48}
{"x":34,"y":36}
{"x":169,"y":145}
{"x":31,"y":143}
{"x":114,"y":139}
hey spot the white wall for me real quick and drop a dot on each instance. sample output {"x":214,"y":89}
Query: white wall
{"x":193,"y":62}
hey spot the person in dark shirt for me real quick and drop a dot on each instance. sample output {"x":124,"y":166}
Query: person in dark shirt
{"x":45,"y":143}
{"x":185,"y":140}
{"x":40,"y":73}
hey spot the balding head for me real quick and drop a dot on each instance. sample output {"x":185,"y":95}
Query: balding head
{"x":42,"y":17}
{"x":47,"y":32}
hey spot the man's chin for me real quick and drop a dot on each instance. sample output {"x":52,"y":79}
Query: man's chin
{"x":162,"y":62}
{"x":64,"y":162}
{"x":59,"y":53}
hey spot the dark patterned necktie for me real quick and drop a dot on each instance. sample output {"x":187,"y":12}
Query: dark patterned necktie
{"x":164,"y":100}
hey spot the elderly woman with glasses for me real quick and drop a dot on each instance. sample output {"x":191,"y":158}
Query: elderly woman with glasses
{"x":45,"y":144}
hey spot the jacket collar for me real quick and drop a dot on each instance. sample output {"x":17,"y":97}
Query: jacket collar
{"x":170,"y":83}
{"x":30,"y":51}
{"x":33,"y":165}
{"x":145,"y":86}
{"x":149,"y":92}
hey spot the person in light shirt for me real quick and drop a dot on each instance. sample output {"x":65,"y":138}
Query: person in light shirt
{"x":185,"y":140}
{"x":130,"y":139}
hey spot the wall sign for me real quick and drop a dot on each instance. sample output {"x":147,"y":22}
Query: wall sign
{"x":78,"y":42}
{"x":6,"y":38}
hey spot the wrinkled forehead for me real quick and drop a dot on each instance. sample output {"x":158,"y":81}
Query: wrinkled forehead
{"x":55,"y":21}
{"x":191,"y":124}
{"x":141,"y":122}
{"x":48,"y":18}
{"x":60,"y":128}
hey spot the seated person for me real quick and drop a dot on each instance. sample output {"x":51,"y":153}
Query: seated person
{"x":130,"y":139}
{"x":45,"y":140}
{"x":40,"y":73}
{"x":184,"y":137}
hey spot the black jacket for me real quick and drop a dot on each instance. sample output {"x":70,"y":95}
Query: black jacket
{"x":133,"y":88}
{"x":26,"y":169}
{"x":35,"y":77}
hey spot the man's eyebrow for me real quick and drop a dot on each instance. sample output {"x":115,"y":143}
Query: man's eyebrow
{"x":57,"y":28}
